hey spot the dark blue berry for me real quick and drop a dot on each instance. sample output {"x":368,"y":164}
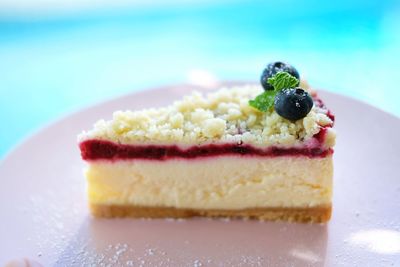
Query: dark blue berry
{"x":272,"y":69}
{"x":293,"y":103}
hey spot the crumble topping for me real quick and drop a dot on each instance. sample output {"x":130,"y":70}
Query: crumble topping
{"x":221,"y":116}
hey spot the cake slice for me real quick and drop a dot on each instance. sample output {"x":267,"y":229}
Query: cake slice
{"x":211,"y":155}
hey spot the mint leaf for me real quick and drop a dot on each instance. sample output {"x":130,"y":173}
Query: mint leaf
{"x":283,"y":80}
{"x":265,"y":101}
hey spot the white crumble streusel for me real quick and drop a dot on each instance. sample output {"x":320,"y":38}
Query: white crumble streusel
{"x":221,"y":116}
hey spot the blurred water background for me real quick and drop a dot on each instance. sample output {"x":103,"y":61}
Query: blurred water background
{"x":59,"y":56}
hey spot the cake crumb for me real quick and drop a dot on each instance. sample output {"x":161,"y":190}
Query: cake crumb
{"x":220,"y":116}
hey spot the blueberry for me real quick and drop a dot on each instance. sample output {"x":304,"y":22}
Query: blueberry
{"x":293,"y":103}
{"x":272,"y":69}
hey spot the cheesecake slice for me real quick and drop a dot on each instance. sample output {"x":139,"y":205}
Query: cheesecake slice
{"x":211,"y":155}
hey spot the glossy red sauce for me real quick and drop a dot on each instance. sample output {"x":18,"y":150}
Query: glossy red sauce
{"x":319,"y":103}
{"x":100,"y":149}
{"x":330,"y":116}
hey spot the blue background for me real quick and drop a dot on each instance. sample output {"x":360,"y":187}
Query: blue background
{"x":53,"y":64}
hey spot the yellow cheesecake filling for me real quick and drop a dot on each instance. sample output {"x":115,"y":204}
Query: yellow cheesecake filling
{"x":226,"y":182}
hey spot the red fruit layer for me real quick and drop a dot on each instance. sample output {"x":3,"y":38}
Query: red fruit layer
{"x":319,"y":103}
{"x":105,"y":150}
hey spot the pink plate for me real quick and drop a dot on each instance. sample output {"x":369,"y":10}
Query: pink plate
{"x":44,"y":216}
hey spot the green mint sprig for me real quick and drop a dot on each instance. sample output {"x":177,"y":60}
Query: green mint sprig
{"x":265,"y":101}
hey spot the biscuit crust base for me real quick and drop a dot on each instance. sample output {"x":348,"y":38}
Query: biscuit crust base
{"x":319,"y":214}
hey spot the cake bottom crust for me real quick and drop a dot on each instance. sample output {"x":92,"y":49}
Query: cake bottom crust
{"x":319,"y":214}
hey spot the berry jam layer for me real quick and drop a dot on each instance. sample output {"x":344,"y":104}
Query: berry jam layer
{"x":100,"y":150}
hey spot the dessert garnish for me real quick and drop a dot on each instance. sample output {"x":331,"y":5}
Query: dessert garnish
{"x":280,"y":81}
{"x":272,"y":69}
{"x":293,"y":103}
